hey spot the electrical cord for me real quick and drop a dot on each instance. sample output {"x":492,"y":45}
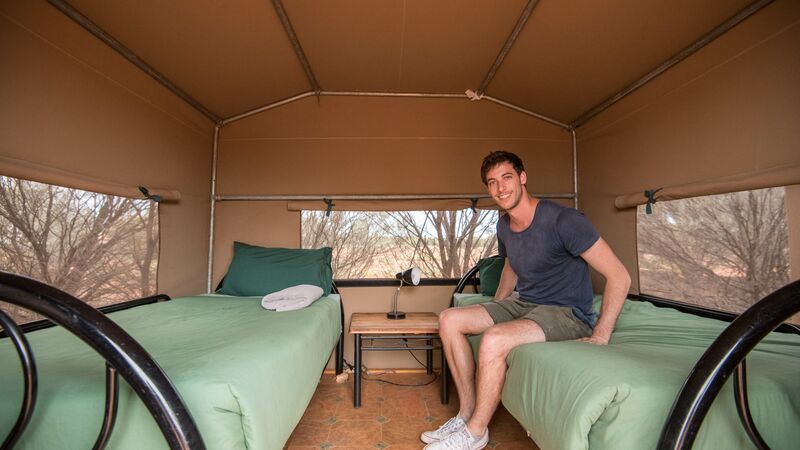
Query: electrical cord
{"x":432,"y":380}
{"x":413,"y":355}
{"x":365,"y":378}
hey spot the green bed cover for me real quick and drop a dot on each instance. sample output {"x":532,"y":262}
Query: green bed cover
{"x":246,"y":374}
{"x":572,"y":395}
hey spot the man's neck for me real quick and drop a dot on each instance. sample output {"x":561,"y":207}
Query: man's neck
{"x":522,"y":215}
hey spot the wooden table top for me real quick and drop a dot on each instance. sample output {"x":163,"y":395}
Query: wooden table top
{"x":378,"y":323}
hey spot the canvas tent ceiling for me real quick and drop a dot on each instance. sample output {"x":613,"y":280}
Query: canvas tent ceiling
{"x":235,"y":56}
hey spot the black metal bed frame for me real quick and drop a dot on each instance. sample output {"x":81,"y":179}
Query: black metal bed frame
{"x":46,"y":323}
{"x":123,"y":355}
{"x":723,"y":358}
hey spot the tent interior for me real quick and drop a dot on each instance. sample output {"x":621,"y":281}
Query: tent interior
{"x":363,"y":98}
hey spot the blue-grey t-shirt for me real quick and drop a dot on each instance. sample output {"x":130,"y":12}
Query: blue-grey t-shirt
{"x":546,"y":258}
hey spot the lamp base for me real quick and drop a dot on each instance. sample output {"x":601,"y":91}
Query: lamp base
{"x":395,"y":315}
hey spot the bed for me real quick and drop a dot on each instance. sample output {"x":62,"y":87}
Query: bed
{"x":245,"y":374}
{"x":571,"y":395}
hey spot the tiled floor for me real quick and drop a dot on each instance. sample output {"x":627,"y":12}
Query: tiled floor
{"x":390,"y":417}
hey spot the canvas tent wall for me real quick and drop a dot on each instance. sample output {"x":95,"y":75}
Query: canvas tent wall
{"x":71,"y":103}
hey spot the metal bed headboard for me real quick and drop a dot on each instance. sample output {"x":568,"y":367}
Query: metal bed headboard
{"x":122,"y":353}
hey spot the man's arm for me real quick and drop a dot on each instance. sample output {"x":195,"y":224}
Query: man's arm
{"x":508,"y":281}
{"x":602,"y":259}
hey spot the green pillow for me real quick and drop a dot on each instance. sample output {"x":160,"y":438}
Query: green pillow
{"x":258,"y":271}
{"x":489,"y":271}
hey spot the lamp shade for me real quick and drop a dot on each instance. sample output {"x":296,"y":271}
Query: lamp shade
{"x":410,"y":276}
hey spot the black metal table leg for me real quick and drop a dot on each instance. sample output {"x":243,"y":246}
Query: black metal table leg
{"x":429,"y":354}
{"x":357,"y":372}
{"x":445,"y":374}
{"x":340,"y":354}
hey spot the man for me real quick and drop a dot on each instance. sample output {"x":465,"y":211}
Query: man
{"x":546,"y":248}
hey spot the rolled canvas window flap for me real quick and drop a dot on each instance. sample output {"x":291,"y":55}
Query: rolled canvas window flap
{"x":391,"y":205}
{"x":27,"y":170}
{"x":784,"y":175}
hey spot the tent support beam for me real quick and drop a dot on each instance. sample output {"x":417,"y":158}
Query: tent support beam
{"x":390,"y":94}
{"x":298,"y":49}
{"x":267,"y":107}
{"x":69,"y":11}
{"x":377,"y":197}
{"x":666,"y":65}
{"x":527,"y":111}
{"x":214,"y":152}
{"x":523,"y":18}
{"x":574,"y":167}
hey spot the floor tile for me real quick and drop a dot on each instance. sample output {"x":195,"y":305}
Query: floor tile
{"x":356,"y":433}
{"x":404,"y":431}
{"x":391,"y":417}
{"x":309,"y":434}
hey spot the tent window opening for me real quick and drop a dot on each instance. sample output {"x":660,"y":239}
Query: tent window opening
{"x":378,"y":244}
{"x":102,"y":249}
{"x":724,"y":252}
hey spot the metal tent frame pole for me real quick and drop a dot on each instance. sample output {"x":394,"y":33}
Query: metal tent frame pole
{"x":388,"y":197}
{"x":721,"y":29}
{"x":294,"y":98}
{"x":523,"y":19}
{"x":213,"y":212}
{"x":298,"y":49}
{"x":527,"y":111}
{"x":303,"y":95}
{"x":266,"y":107}
{"x":69,"y":11}
{"x":574,"y":167}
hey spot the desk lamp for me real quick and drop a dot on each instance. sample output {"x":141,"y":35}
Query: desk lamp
{"x":409,"y":276}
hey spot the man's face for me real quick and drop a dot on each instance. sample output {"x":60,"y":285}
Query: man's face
{"x":505,"y":186}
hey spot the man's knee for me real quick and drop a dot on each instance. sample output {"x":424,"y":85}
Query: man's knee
{"x":495,"y":343}
{"x":464,"y":320}
{"x":449,"y":320}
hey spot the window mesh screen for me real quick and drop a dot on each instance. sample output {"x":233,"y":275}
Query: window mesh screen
{"x":721,"y":251}
{"x":443,"y":244}
{"x":100,"y":248}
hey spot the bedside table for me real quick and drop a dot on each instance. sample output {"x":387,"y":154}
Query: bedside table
{"x":416,"y":332}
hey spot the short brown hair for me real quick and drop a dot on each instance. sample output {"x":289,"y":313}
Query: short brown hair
{"x":498,"y":157}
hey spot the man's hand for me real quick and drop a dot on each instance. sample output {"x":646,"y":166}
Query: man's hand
{"x":618,"y":281}
{"x":595,"y":339}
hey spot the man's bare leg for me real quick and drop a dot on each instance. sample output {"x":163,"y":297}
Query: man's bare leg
{"x":496,"y":344}
{"x":454,"y":326}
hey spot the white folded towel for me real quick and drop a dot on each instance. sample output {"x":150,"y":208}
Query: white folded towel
{"x":291,"y":298}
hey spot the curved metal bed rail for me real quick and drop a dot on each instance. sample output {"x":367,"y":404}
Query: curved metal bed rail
{"x":470,"y":276}
{"x":112,"y":401}
{"x":45,"y":323}
{"x":743,"y":406}
{"x":29,"y":376}
{"x":462,"y":283}
{"x":719,"y":361}
{"x":118,"y":348}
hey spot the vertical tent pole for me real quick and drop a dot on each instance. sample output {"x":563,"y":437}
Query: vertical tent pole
{"x":213,"y":207}
{"x":574,"y":167}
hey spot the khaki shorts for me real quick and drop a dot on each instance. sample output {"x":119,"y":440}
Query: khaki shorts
{"x":558,"y":322}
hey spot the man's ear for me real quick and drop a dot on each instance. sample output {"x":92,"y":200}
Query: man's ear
{"x":523,"y":177}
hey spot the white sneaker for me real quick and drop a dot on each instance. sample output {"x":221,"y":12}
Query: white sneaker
{"x":460,"y":440}
{"x":451,"y":426}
